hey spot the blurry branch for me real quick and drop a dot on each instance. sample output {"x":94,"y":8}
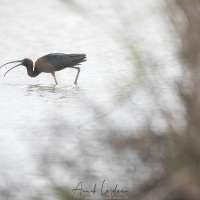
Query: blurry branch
{"x":179,"y":156}
{"x":190,"y":56}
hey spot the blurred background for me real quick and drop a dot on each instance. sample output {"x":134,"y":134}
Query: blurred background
{"x":133,"y":120}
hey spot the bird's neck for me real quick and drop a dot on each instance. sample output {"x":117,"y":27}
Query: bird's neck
{"x":30,"y":71}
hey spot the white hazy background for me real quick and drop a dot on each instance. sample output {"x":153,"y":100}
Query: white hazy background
{"x":122,"y":40}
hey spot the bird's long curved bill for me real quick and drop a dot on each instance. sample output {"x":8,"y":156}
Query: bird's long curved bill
{"x":11,"y":62}
{"x":11,"y":69}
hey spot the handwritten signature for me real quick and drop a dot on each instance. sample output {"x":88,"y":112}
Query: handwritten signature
{"x":79,"y":189}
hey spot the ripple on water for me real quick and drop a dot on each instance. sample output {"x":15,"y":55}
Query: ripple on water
{"x":59,"y":92}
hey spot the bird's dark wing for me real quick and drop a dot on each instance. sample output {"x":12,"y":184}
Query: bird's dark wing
{"x":60,"y":61}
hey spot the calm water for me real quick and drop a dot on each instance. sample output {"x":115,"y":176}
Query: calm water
{"x":29,"y":106}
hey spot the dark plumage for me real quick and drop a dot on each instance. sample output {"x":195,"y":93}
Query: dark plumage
{"x":51,"y":63}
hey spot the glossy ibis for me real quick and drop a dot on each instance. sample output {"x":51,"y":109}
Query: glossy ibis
{"x":51,"y":63}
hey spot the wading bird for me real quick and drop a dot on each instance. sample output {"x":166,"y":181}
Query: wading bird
{"x":51,"y":63}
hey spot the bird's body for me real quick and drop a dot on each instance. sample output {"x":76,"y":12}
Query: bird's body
{"x":51,"y":63}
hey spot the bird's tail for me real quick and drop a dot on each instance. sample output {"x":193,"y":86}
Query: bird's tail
{"x":78,"y":58}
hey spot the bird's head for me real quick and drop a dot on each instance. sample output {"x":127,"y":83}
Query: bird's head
{"x":25,"y":62}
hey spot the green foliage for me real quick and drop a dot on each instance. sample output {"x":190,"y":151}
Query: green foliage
{"x":63,"y":193}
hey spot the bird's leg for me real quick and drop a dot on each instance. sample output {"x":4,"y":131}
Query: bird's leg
{"x":53,"y":74}
{"x":77,"y":75}
{"x":78,"y":68}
